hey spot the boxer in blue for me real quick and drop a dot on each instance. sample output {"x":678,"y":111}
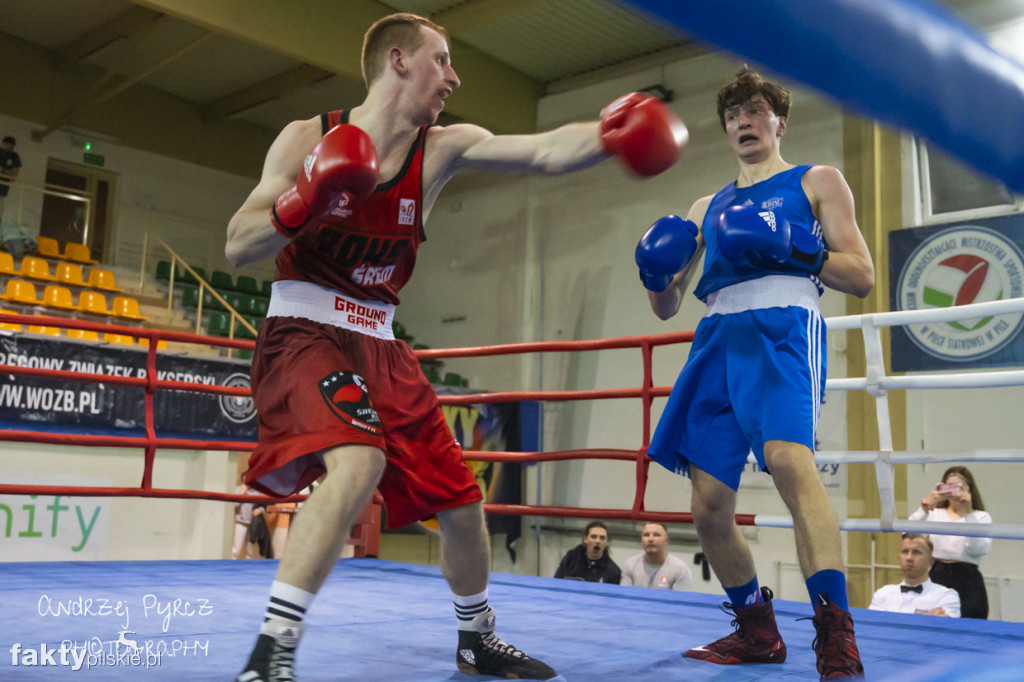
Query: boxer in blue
{"x":754,"y":380}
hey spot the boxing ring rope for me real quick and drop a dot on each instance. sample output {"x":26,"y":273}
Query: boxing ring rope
{"x":911,"y":64}
{"x":150,"y":442}
{"x":876,"y":383}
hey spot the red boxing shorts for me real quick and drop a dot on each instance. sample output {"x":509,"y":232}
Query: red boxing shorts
{"x":318,"y":386}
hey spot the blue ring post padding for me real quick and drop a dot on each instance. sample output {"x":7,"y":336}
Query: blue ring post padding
{"x":907,"y":63}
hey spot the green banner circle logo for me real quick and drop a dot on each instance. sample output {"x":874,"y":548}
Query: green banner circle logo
{"x":959,"y":266}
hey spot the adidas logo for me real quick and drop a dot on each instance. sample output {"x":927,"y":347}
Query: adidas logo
{"x":769,"y":217}
{"x":467,"y":655}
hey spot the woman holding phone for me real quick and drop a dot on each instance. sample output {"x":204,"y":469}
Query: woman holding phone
{"x":957,"y":499}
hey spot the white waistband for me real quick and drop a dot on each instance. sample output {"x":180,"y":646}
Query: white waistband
{"x":291,"y":298}
{"x":770,"y":291}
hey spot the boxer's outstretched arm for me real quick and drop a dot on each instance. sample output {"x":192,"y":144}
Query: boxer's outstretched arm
{"x":251,"y":235}
{"x":572,"y":147}
{"x":639,"y":129}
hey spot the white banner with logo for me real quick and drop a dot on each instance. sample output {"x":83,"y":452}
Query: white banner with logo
{"x":956,"y":264}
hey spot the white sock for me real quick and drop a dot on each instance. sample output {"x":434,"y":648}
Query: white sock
{"x":467,"y":608}
{"x":287,"y":602}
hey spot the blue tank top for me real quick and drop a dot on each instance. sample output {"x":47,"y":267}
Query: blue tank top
{"x":781,"y":193}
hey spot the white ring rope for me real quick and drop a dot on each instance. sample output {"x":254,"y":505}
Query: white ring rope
{"x":904,"y":317}
{"x":877,"y":383}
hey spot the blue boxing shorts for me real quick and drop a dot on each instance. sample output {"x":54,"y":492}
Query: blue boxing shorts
{"x":753,"y":375}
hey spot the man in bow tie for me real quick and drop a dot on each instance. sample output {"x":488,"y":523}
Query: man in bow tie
{"x":917,"y":593}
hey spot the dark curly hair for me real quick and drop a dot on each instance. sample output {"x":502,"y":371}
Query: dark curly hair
{"x":749,"y":84}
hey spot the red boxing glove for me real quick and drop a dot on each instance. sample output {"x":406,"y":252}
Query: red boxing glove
{"x":643,"y":132}
{"x":343,"y":160}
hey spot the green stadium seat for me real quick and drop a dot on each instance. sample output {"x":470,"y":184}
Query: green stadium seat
{"x":221,"y":281}
{"x":185,"y":276}
{"x":211,"y":303}
{"x":433,"y":374}
{"x":247,"y":285}
{"x":247,"y":305}
{"x":244,"y":333}
{"x":219,"y":324}
{"x":267,"y":285}
{"x":189,"y":296}
{"x":163,"y":271}
{"x":452,"y":379}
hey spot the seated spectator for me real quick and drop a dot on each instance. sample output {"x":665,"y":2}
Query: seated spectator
{"x":16,"y":238}
{"x":589,"y":560}
{"x":242,"y":547}
{"x":957,"y":499}
{"x":917,"y":593}
{"x":655,"y":567}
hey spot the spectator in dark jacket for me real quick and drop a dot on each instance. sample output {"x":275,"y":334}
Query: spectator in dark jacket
{"x":589,"y":560}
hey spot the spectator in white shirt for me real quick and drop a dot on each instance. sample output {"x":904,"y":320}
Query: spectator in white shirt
{"x":957,"y":499}
{"x":655,"y":567}
{"x":917,"y":594}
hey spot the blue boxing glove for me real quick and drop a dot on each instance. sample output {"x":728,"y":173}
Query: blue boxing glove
{"x":665,"y":249}
{"x":747,"y":236}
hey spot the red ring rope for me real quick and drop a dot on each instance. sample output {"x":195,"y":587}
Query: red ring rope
{"x":151,"y":442}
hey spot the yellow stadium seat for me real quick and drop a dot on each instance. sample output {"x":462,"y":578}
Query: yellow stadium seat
{"x":70,"y":275}
{"x":7,"y":264}
{"x":21,"y":292}
{"x":93,"y":302}
{"x":79,"y":253}
{"x":35,"y":268}
{"x":8,"y":326}
{"x":160,"y":345}
{"x":127,"y":308}
{"x":41,"y":329}
{"x":58,"y":297}
{"x":100,"y":278}
{"x":82,"y":334}
{"x":48,"y":247}
{"x":119,"y":338}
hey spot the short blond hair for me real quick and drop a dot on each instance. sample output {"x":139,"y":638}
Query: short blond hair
{"x":918,"y":536}
{"x":401,"y":29}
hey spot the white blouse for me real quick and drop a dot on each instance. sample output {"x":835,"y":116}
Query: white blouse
{"x":957,"y":547}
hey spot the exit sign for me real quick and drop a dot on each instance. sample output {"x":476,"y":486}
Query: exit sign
{"x":94,"y":159}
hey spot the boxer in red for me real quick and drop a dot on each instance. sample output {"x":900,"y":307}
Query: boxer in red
{"x":341,"y":204}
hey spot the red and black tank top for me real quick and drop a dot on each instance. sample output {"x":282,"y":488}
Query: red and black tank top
{"x":365,"y":248}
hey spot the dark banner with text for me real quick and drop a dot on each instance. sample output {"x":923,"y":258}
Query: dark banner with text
{"x":79,"y":407}
{"x":955,"y":264}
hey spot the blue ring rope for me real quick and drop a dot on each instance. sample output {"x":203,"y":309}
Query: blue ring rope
{"x":910,"y":64}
